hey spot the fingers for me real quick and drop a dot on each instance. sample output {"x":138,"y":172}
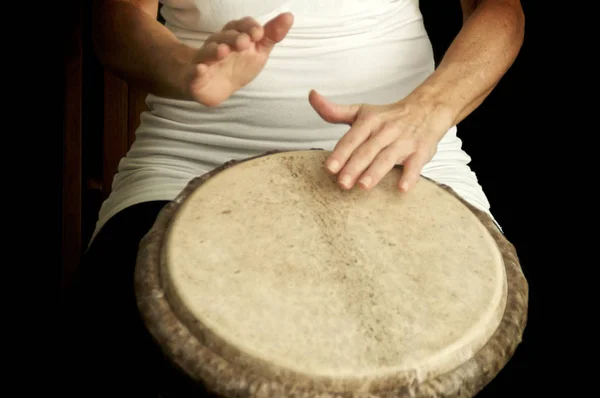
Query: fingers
{"x":346,"y":114}
{"x":365,"y":155}
{"x":378,"y":140}
{"x":235,"y":40}
{"x":246,"y":25}
{"x":346,"y":146}
{"x":373,"y":146}
{"x":275,"y":31}
{"x":212,"y":52}
{"x":383,"y":163}
{"x":370,"y":149}
{"x":399,"y":152}
{"x":411,"y":172}
{"x":236,"y":35}
{"x":332,"y":112}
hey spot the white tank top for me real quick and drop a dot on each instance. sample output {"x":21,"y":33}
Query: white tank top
{"x":352,"y":51}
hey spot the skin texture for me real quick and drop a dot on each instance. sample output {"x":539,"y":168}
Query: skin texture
{"x":407,"y":132}
{"x":126,"y":32}
{"x":379,"y":136}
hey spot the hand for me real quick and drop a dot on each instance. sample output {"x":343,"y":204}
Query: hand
{"x":233,"y":57}
{"x":381,"y":136}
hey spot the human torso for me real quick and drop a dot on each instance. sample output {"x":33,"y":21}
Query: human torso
{"x":352,"y":51}
{"x":373,"y":51}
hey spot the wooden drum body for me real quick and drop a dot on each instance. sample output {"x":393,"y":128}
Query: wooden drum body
{"x":265,"y":279}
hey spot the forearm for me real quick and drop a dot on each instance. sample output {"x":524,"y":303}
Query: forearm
{"x":477,"y":59}
{"x":134,"y":46}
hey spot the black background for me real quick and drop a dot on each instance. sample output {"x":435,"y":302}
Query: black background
{"x":498,"y":137}
{"x":509,"y":138}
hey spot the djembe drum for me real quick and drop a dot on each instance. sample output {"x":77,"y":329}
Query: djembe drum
{"x":265,"y":279}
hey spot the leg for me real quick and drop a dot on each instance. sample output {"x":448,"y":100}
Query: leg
{"x":111,"y":353}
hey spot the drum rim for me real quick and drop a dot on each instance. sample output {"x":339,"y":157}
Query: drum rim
{"x":227,"y":379}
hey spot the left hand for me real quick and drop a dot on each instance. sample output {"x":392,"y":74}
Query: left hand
{"x":380,"y":137}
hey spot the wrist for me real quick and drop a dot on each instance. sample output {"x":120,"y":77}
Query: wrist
{"x":179,"y":70}
{"x":439,"y":110}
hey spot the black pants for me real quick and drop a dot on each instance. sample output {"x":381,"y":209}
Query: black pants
{"x":109,"y":352}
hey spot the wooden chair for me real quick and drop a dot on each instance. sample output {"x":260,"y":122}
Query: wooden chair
{"x":72,"y":143}
{"x":120,"y":109}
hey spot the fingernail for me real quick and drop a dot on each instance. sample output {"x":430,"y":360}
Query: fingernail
{"x":334,"y":166}
{"x":404,"y":186}
{"x":366,"y":181}
{"x":345,"y":181}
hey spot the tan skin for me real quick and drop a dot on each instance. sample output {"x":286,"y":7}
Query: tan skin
{"x":380,"y":136}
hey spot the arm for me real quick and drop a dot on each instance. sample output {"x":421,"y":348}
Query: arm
{"x":482,"y":52}
{"x":407,"y":132}
{"x":133,"y":45}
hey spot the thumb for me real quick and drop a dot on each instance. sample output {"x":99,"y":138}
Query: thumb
{"x":332,"y":112}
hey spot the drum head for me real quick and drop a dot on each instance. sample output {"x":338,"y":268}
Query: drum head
{"x":276,"y":274}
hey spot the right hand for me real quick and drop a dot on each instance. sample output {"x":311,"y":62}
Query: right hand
{"x":233,"y":57}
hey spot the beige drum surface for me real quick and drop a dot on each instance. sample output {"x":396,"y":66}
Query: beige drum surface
{"x":287,"y":273}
